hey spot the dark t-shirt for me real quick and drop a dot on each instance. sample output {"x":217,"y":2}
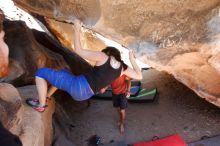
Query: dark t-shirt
{"x":102,"y":76}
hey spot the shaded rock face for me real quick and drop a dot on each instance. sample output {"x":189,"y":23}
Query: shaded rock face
{"x":37,"y":127}
{"x":62,"y":119}
{"x":31,"y":49}
{"x":76,"y":64}
{"x":26,"y":54}
{"x":10,"y":104}
{"x":32,"y":128}
{"x":180,"y":37}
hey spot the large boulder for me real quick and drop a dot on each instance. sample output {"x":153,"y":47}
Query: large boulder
{"x":10,"y":104}
{"x":130,"y":21}
{"x":176,"y":36}
{"x":32,"y":128}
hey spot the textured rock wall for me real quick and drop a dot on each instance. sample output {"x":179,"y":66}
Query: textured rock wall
{"x":87,"y":10}
{"x":180,"y":37}
{"x":65,"y":32}
{"x":33,"y":128}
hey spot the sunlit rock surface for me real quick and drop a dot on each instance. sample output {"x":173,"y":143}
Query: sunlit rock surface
{"x":180,"y":37}
{"x":87,"y":10}
{"x":64,"y":32}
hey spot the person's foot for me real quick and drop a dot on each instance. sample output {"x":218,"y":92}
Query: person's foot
{"x":121,"y":128}
{"x":40,"y":108}
{"x":47,"y":98}
{"x":34,"y":103}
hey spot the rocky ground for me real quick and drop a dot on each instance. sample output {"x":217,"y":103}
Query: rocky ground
{"x":176,"y":110}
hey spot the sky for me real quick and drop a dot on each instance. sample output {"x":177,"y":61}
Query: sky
{"x":14,"y":13}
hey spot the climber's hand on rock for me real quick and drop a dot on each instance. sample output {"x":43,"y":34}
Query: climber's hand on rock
{"x":77,"y":23}
{"x":131,"y":54}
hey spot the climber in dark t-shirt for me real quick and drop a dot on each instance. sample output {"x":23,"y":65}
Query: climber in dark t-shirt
{"x":108,"y":66}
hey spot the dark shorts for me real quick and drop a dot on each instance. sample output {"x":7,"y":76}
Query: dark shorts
{"x":120,"y":101}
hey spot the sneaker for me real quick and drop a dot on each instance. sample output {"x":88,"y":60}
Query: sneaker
{"x":37,"y":100}
{"x":40,"y":108}
{"x":34,"y":103}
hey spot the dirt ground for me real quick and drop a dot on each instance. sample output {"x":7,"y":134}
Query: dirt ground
{"x":176,"y":110}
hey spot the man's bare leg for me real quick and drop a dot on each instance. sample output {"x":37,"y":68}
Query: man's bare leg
{"x":88,"y":102}
{"x":122,"y":120}
{"x":119,"y":115}
{"x":41,"y":89}
{"x":122,"y":116}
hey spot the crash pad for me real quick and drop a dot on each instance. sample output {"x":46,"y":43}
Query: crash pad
{"x":173,"y":140}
